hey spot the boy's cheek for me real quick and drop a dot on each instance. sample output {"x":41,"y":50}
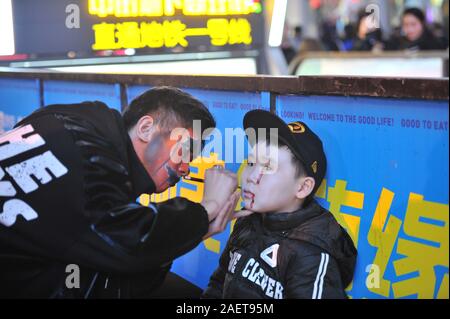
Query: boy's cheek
{"x":253,"y":206}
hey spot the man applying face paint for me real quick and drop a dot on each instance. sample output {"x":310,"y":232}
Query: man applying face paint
{"x":89,"y":217}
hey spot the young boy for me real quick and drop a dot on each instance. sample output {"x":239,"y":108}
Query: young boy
{"x":290,"y":247}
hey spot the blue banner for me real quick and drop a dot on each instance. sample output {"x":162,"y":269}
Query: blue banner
{"x":387,"y":184}
{"x":18,"y":98}
{"x":62,"y":92}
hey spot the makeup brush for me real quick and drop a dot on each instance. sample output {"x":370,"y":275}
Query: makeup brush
{"x":199,"y":180}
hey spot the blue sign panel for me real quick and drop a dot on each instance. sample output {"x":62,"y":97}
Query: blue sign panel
{"x":18,"y":98}
{"x":387,"y":184}
{"x":133,"y":91}
{"x":62,"y":92}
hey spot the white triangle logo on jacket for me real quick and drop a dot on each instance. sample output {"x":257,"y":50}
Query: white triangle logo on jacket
{"x":272,"y":261}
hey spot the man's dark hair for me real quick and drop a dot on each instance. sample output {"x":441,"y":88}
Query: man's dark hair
{"x":170,"y":108}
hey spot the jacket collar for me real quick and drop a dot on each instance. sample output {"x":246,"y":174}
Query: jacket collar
{"x":286,"y":221}
{"x":142,"y":182}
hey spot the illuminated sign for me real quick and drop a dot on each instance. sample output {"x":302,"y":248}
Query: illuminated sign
{"x":168,"y":8}
{"x":169,"y":34}
{"x":226,"y":23}
{"x":109,"y":27}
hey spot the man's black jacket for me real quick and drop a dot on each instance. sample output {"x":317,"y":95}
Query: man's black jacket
{"x":302,"y":255}
{"x":69,"y":180}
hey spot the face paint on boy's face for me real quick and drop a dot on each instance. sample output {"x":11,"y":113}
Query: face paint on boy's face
{"x":261,"y":174}
{"x":269,"y":186}
{"x":252,"y":202}
{"x":258,"y":181}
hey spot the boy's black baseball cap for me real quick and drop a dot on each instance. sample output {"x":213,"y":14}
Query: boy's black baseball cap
{"x":300,"y":139}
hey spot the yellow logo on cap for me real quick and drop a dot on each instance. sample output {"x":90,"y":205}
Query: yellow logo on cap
{"x":314,"y":167}
{"x":297,"y":128}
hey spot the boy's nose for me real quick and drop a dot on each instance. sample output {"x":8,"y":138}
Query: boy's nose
{"x":253,"y":175}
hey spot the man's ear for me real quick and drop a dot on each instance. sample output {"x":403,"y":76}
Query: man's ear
{"x":144,"y":128}
{"x":305,"y":187}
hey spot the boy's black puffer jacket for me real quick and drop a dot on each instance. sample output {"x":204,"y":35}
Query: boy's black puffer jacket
{"x":304,"y":254}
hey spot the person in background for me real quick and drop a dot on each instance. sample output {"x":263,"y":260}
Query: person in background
{"x":440,"y":34}
{"x":348,"y":37}
{"x":416,"y":35}
{"x":368,"y":36}
{"x":328,"y":36}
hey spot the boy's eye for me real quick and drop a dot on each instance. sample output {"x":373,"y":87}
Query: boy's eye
{"x":250,"y":164}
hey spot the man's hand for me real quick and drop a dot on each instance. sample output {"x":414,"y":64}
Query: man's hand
{"x":225,"y":214}
{"x":219,"y":187}
{"x":220,"y":198}
{"x":241,"y":214}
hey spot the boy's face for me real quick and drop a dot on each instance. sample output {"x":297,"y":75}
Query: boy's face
{"x":269,"y":183}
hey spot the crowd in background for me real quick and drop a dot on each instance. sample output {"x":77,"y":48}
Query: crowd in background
{"x":414,"y":34}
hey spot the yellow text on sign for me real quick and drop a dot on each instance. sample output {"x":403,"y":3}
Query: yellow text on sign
{"x":168,"y":8}
{"x":134,"y":35}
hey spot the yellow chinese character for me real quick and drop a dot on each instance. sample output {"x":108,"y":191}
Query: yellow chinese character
{"x":240,"y":7}
{"x":101,"y":8}
{"x":152,"y":34}
{"x":383,"y":234}
{"x":105,"y":37}
{"x":322,"y":190}
{"x":422,"y":258}
{"x":240,"y":31}
{"x":194,"y":7}
{"x":151,"y":8}
{"x":201,"y":165}
{"x":218,"y":31}
{"x":128,"y":35}
{"x":171,"y":5}
{"x":338,"y":196}
{"x":126,"y":8}
{"x":158,"y":198}
{"x":217,"y":7}
{"x":174,"y":34}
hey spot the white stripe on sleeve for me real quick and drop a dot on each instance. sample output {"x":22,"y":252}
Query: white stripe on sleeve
{"x":318,"y":283}
{"x":327,"y":258}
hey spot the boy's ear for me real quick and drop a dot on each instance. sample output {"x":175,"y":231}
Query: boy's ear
{"x":144,"y":128}
{"x":305,"y":187}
